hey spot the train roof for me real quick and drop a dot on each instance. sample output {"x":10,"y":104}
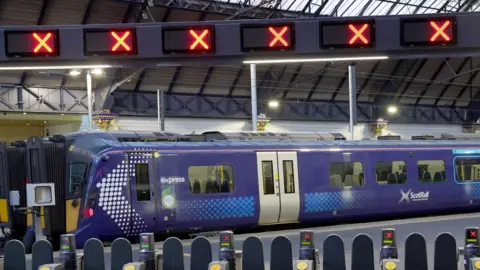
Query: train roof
{"x":97,"y":142}
{"x":280,"y":144}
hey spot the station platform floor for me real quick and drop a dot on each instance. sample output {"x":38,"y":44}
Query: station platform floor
{"x":430,"y":227}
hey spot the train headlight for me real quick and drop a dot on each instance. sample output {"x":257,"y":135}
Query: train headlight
{"x":215,"y":267}
{"x":301,"y":266}
{"x":391,"y":266}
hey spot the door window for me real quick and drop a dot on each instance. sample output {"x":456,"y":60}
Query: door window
{"x":288,"y":176}
{"x":142,"y":181}
{"x":267,"y":176}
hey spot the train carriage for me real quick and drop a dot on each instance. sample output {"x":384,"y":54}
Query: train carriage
{"x":118,"y":184}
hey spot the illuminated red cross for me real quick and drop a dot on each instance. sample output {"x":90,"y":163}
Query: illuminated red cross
{"x":278,"y":36}
{"x":199,"y":39}
{"x":226,"y":238}
{"x":307,"y":236}
{"x":65,"y":240}
{"x":42,"y":42}
{"x":473,"y":234}
{"x":440,"y":31}
{"x":120,"y":41}
{"x":388,"y":235}
{"x":358,"y":33}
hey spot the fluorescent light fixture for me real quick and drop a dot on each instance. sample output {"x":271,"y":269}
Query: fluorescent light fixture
{"x":324,"y":59}
{"x":54,"y":67}
{"x":273,"y":104}
{"x":392,"y":109}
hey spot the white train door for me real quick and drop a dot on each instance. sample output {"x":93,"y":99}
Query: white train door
{"x":278,"y":187}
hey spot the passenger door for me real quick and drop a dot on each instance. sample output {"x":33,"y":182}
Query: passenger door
{"x":143,"y":211}
{"x":278,"y":187}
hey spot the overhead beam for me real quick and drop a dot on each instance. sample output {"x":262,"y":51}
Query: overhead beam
{"x":451,"y":80}
{"x":432,"y":80}
{"x":399,"y":96}
{"x":223,"y":8}
{"x":292,"y":80}
{"x":206,"y":80}
{"x":236,"y":80}
{"x":391,"y":87}
{"x":318,"y":80}
{"x":219,"y":106}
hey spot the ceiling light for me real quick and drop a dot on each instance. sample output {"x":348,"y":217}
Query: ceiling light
{"x":97,"y":71}
{"x":273,"y":104}
{"x":324,"y":59}
{"x":75,"y":72}
{"x":392,"y":109}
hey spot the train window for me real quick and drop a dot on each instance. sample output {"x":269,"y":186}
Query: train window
{"x":268,"y":180}
{"x":142,"y":181}
{"x":346,"y":174}
{"x":77,"y":176}
{"x":391,"y":172}
{"x":431,"y":171}
{"x":288,"y":176}
{"x":211,"y":179}
{"x":467,"y":169}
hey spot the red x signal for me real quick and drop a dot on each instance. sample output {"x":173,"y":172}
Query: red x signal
{"x":473,"y":234}
{"x":358,"y":34}
{"x":307,"y":236}
{"x":388,"y":235}
{"x":226,"y":238}
{"x":440,"y":31}
{"x":278,"y":37}
{"x":199,"y":39}
{"x":42,"y":43}
{"x":120,"y":41}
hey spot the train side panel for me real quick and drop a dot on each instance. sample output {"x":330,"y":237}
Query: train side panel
{"x":207,"y":190}
{"x":326,"y":196}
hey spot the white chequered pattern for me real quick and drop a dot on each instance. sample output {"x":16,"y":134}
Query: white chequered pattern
{"x":112,"y":200}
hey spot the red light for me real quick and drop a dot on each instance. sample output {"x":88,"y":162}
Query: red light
{"x":42,"y":43}
{"x":307,"y":236}
{"x":358,"y":34}
{"x":440,"y":31}
{"x":388,"y":235}
{"x":473,"y":234}
{"x":278,"y":37}
{"x":120,"y":41}
{"x":88,"y":212}
{"x":199,"y":39}
{"x":226,"y":238}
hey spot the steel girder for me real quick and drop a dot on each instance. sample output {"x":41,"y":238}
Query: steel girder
{"x":217,"y":106}
{"x":230,"y":10}
{"x":30,"y":98}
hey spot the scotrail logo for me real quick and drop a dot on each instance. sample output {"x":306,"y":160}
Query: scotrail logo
{"x":410,"y":196}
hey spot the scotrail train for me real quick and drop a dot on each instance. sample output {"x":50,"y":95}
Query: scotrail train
{"x":114,"y":184}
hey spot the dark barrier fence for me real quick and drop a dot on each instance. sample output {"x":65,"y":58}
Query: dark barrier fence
{"x":250,"y":256}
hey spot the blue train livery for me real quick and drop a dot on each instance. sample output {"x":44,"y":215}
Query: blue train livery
{"x":117,"y":188}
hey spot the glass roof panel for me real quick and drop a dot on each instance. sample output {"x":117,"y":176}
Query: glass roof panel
{"x":354,"y":7}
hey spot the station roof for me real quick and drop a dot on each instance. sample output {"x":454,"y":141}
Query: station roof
{"x":436,"y":82}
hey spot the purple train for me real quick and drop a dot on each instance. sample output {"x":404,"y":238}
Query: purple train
{"x":119,"y":186}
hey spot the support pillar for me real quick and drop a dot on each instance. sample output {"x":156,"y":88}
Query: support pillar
{"x":352,"y":88}
{"x":89,"y":100}
{"x":253,"y":86}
